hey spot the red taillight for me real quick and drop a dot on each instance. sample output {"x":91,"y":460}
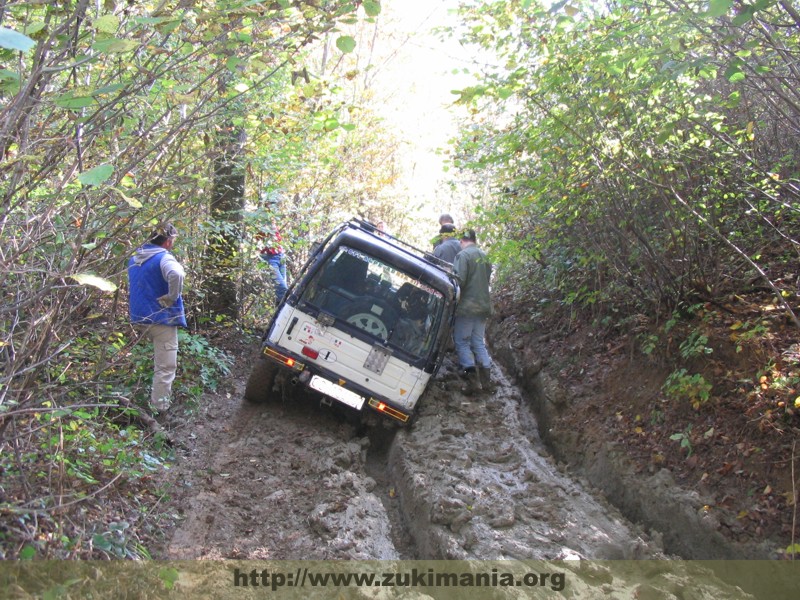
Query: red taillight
{"x":388,"y":410}
{"x":283,"y":359}
{"x":310,"y":352}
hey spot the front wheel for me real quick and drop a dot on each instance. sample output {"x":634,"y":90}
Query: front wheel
{"x":261,"y":381}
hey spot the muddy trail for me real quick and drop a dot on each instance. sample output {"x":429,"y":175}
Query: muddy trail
{"x":470,"y":480}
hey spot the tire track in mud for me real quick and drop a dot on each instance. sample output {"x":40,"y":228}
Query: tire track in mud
{"x":477,"y":467}
{"x":377,"y":467}
{"x":279,"y":481}
{"x":470,"y":480}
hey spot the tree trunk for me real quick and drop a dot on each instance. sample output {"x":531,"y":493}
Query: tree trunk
{"x":222,"y":263}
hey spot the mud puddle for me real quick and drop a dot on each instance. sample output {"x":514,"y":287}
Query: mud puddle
{"x":278,"y":481}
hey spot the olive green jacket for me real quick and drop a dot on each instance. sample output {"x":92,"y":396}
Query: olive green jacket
{"x":474,"y":271}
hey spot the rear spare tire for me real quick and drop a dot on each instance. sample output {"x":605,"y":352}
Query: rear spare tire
{"x":372,"y":315}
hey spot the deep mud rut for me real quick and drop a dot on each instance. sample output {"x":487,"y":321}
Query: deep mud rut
{"x":291,"y":480}
{"x":469,"y":480}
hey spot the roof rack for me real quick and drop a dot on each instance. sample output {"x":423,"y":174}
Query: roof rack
{"x":424,"y":255}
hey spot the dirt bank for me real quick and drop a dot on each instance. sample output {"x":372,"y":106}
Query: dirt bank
{"x":581,"y":389}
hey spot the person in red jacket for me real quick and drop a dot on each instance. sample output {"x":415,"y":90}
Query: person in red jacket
{"x":272,"y":252}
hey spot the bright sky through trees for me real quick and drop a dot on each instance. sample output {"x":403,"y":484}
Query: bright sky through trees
{"x":416,"y":78}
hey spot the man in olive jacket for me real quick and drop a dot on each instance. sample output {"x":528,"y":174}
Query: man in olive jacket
{"x":474,"y":271}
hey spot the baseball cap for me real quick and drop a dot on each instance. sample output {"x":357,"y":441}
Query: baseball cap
{"x":166,"y":230}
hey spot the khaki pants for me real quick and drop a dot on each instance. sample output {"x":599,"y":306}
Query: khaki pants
{"x":165,"y":363}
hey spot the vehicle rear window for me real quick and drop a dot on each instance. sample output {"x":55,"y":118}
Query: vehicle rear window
{"x":377,"y":298}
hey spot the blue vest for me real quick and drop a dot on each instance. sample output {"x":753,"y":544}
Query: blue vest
{"x":147,"y":284}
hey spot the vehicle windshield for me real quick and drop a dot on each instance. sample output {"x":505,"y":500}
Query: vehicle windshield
{"x":377,"y":298}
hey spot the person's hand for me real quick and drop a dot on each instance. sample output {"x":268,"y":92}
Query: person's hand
{"x":165,"y":301}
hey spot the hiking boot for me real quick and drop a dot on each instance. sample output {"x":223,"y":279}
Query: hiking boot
{"x":160,"y":406}
{"x":472,"y":385}
{"x":485,"y":374}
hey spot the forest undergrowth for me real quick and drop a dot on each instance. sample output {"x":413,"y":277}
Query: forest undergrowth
{"x":82,"y":473}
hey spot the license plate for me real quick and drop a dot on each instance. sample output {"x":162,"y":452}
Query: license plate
{"x":336,"y":392}
{"x":377,"y":359}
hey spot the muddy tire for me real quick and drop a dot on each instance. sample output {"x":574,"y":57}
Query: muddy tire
{"x":261,"y":380}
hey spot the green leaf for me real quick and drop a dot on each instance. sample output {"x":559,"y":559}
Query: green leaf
{"x":33,"y":28}
{"x":151,"y":20}
{"x":169,"y":576}
{"x":14,"y":40}
{"x":6,"y":74}
{"x":372,"y":8}
{"x":74,"y":102}
{"x":346,"y":44}
{"x":95,"y":281}
{"x":107,"y":23}
{"x":718,"y":8}
{"x":133,"y":202}
{"x":27,"y":553}
{"x":97,"y":175}
{"x":746,"y":13}
{"x":505,"y":93}
{"x":734,"y":72}
{"x":734,"y":100}
{"x":115,"y":46}
{"x":9,"y":86}
{"x":101,"y":542}
{"x":739,"y":76}
{"x":109,"y":89}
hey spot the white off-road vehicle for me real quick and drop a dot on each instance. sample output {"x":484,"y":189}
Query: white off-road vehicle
{"x":365,"y":325}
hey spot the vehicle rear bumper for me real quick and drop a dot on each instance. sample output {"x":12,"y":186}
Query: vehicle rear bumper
{"x":304,"y":372}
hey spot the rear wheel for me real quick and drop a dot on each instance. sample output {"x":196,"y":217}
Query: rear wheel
{"x":261,"y":381}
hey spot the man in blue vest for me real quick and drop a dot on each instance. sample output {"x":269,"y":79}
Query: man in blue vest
{"x":156,"y":305}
